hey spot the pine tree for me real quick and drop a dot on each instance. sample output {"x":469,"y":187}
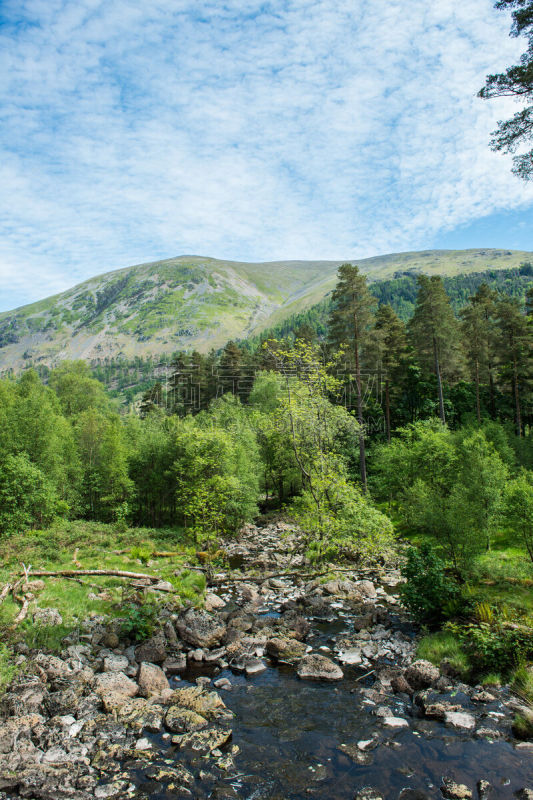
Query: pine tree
{"x":391,"y":342}
{"x":514,"y":351}
{"x":349,"y":324}
{"x":486,"y":299}
{"x":434,"y":332}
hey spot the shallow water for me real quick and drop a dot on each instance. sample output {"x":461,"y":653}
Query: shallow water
{"x":290,"y":734}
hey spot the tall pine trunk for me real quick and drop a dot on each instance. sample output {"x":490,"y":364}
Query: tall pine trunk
{"x":518,"y":415}
{"x":387,"y":409}
{"x":362,"y":454}
{"x":439,"y":382}
{"x":478,"y":405}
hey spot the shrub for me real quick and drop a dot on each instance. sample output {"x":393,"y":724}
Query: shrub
{"x":429,"y":594}
{"x":492,"y":648}
{"x":27,"y":500}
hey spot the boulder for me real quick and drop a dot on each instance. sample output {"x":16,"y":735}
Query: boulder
{"x":152,"y":650}
{"x":460,"y":720}
{"x":400,"y":685}
{"x":320,"y":668}
{"x":288,"y":650}
{"x":455,"y":791}
{"x":207,"y":704}
{"x":47,"y":616}
{"x":113,"y":663}
{"x":352,"y":656}
{"x":366,"y":588}
{"x":200,"y":629}
{"x":151,"y":679}
{"x":183,"y":720}
{"x":203,"y":741}
{"x":213,"y":602}
{"x":116,"y":684}
{"x":421,"y":674}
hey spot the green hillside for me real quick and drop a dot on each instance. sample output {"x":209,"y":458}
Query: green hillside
{"x":192,"y":302}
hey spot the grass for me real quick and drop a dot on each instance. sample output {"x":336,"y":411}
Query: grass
{"x":87,"y":545}
{"x":444,"y":645}
{"x":7,"y":667}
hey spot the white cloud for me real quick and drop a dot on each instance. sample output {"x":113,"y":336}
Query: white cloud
{"x":244,"y":130}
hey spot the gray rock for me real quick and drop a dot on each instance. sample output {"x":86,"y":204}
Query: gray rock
{"x":395,"y":722}
{"x":213,"y":602}
{"x":455,"y":791}
{"x":200,"y":629}
{"x":47,"y":616}
{"x":113,"y":663}
{"x":153,"y":650}
{"x":288,"y":650}
{"x":173,"y":666}
{"x":366,"y":588}
{"x":116,"y":684}
{"x":460,"y":720}
{"x":421,"y":674}
{"x":151,"y":679}
{"x":351,"y":656}
{"x":320,"y":668}
{"x":255,"y":667}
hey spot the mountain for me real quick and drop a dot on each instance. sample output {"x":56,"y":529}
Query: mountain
{"x":192,"y":302}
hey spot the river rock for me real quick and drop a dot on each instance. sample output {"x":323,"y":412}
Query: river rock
{"x":421,"y":674}
{"x":53,"y":666}
{"x":455,"y":791}
{"x":460,"y":720}
{"x":116,"y":684}
{"x":255,"y":667}
{"x":288,"y":650}
{"x":153,"y":650}
{"x":113,"y":663}
{"x":484,"y":790}
{"x":175,"y":665}
{"x":366,"y":588}
{"x":351,"y":657}
{"x":213,"y":602}
{"x":200,"y":629}
{"x":368,"y":794}
{"x":525,"y":794}
{"x":320,"y":668}
{"x":139,"y":713}
{"x":395,"y":722}
{"x":151,"y":679}
{"x":400,"y":685}
{"x":204,"y":741}
{"x":183,"y":720}
{"x":207,"y":704}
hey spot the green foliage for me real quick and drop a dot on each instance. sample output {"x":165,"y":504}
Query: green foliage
{"x":444,"y":646}
{"x":428,"y":593}
{"x":27,"y":500}
{"x":137,"y":620}
{"x":518,"y":510}
{"x":497,"y":646}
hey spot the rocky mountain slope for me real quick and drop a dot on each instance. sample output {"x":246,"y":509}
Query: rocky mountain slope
{"x":192,"y":302}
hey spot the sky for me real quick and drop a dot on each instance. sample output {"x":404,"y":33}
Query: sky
{"x":246,"y":130}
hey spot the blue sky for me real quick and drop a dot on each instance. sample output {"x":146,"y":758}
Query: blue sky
{"x":248,"y":130}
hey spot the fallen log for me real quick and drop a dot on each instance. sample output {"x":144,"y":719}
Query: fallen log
{"x":22,"y":613}
{"x":113,"y":573}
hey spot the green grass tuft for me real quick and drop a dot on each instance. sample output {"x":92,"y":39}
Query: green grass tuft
{"x":444,"y":645}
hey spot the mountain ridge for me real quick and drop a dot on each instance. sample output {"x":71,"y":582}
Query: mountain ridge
{"x":197,"y":302}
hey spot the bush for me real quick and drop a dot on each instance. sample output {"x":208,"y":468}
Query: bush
{"x":428,"y":593}
{"x":495,"y":647}
{"x":27,"y":500}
